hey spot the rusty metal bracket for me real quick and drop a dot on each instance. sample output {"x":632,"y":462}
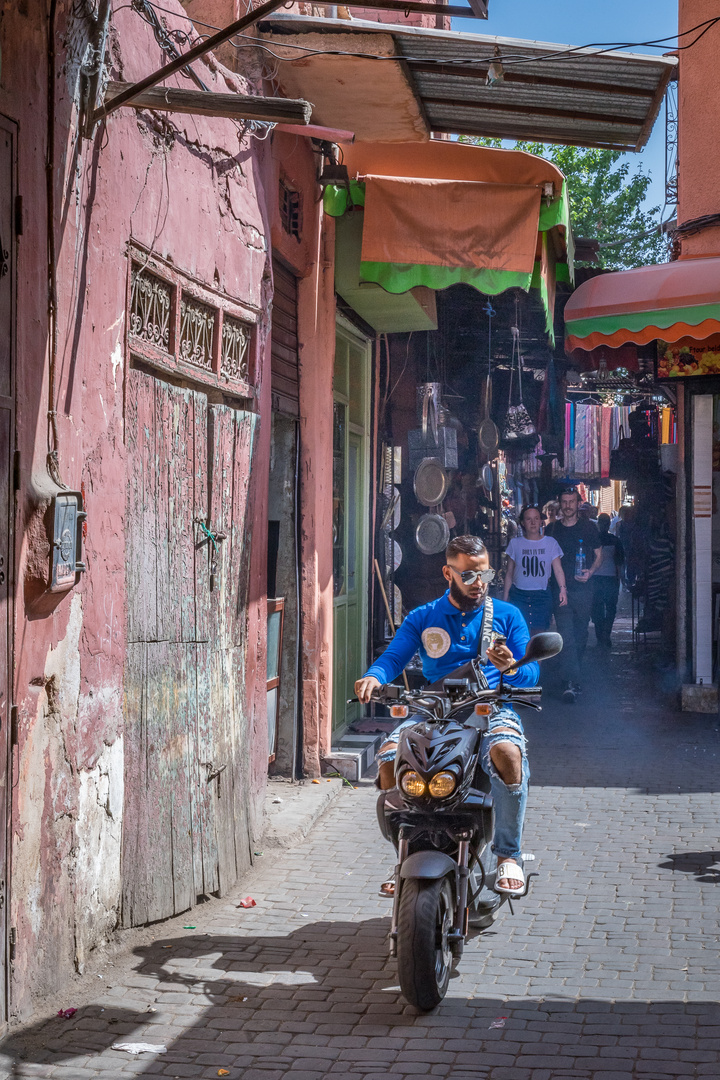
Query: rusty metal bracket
{"x":478,"y":9}
{"x":203,"y":47}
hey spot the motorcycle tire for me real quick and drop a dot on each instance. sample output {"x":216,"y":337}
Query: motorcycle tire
{"x":425,"y":918}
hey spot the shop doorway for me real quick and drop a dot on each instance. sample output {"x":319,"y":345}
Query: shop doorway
{"x":283,"y":571}
{"x":282,"y":591}
{"x":351,"y":464}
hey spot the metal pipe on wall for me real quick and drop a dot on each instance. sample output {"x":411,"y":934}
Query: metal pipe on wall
{"x":681,"y":606}
{"x":296,"y":771}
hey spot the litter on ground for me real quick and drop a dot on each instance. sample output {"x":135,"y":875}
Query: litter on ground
{"x":139,"y":1048}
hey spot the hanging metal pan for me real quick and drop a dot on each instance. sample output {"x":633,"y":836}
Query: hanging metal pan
{"x":432,"y":534}
{"x":431,"y":482}
{"x":488,"y":436}
{"x":487,"y":478}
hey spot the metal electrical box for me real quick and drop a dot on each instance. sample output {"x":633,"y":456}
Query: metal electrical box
{"x":68,"y":517}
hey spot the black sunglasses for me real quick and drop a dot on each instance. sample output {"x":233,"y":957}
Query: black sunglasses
{"x":469,"y":577}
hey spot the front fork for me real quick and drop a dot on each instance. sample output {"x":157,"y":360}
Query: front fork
{"x":456,"y":937}
{"x":402,"y":855}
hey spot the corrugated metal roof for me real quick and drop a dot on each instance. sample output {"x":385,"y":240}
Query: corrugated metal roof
{"x":550,"y":93}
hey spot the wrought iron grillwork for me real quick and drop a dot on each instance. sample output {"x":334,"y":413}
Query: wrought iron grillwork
{"x":197,"y":324}
{"x":150,"y":307}
{"x":235,"y":349}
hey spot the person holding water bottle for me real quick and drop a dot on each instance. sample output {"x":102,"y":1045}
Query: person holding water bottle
{"x":581,"y":556}
{"x":532,"y":558}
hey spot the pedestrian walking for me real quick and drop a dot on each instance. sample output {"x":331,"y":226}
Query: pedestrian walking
{"x":606,"y":583}
{"x":532,"y":559}
{"x":582,"y":554}
{"x":550,"y":510}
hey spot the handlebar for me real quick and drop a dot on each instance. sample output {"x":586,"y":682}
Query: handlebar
{"x":390,"y":693}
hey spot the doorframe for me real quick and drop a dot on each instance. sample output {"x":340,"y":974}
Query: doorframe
{"x":9,"y":735}
{"x":345,"y":329}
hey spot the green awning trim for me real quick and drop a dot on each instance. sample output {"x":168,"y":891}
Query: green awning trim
{"x":639,"y":320}
{"x":400,"y":277}
{"x":557,"y":213}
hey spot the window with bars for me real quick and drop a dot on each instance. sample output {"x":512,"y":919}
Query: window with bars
{"x":179,"y":324}
{"x":290,"y":210}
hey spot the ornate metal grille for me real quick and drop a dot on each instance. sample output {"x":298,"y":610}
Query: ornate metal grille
{"x":150,"y":307}
{"x":235,"y":349}
{"x":197,"y":323}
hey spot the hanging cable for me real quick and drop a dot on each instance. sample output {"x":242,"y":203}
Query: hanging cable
{"x":577,"y":51}
{"x":164,"y":37}
{"x":53,"y":454}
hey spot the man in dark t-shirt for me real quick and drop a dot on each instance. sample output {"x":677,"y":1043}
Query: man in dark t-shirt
{"x":606,"y":583}
{"x":573,"y":619}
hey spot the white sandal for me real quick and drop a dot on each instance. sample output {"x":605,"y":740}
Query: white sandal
{"x":509,"y":871}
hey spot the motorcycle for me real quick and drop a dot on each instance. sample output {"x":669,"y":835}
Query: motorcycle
{"x":439,"y":817}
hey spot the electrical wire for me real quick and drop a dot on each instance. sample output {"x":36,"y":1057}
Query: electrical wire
{"x":510,"y":59}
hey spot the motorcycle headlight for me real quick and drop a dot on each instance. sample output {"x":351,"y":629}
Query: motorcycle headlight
{"x":442,"y":784}
{"x":412,"y":784}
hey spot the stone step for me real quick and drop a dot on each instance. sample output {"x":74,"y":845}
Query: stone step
{"x":352,"y":755}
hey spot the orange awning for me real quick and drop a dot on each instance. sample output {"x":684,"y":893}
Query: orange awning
{"x":669,"y":301}
{"x":450,"y":223}
{"x":444,"y":160}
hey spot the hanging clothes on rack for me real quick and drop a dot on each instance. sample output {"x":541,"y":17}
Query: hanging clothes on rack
{"x":605,"y":429}
{"x":592,"y":431}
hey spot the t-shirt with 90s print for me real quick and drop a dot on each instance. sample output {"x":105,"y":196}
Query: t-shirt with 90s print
{"x":533,"y":561}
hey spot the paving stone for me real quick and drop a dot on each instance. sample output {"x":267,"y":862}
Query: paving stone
{"x":598,"y":977}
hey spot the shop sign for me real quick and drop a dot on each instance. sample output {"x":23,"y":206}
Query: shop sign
{"x":688,"y":357}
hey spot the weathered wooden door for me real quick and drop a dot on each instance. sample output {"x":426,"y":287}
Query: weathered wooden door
{"x":8,"y":135}
{"x":185,"y":832}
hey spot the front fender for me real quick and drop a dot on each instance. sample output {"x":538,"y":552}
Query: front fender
{"x":429,"y":865}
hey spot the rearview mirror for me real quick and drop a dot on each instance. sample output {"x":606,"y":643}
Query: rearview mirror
{"x":541,"y":647}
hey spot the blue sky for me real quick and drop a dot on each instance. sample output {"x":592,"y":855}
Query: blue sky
{"x":580,"y":22}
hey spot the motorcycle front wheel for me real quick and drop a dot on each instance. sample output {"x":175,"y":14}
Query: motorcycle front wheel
{"x":425,"y":918}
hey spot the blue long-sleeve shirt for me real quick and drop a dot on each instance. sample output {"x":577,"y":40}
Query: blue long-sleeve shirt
{"x":447,"y":637}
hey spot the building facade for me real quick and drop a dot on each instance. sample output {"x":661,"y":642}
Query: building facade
{"x":148,"y":385}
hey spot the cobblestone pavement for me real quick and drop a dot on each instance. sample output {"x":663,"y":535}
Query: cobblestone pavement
{"x":609,"y":969}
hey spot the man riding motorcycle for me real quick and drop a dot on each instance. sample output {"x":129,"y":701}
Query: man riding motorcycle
{"x":462,"y":625}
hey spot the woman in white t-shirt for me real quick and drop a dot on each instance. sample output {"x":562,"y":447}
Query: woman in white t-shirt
{"x":532,"y":558}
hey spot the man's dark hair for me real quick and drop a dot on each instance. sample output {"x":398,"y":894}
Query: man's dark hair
{"x":604,"y":520}
{"x":572,"y":491}
{"x":464,"y":545}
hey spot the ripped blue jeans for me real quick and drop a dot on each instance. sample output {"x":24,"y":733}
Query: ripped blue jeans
{"x":510,"y":799}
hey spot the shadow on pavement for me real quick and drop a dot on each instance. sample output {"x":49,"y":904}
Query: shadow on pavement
{"x":625,"y":730}
{"x":322,"y":1001}
{"x":699,"y":863}
{"x":93,"y":1029}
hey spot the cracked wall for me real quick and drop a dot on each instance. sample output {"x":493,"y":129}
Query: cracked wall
{"x":194,"y":193}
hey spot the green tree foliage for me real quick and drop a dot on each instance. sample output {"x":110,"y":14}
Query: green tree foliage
{"x":606,"y":201}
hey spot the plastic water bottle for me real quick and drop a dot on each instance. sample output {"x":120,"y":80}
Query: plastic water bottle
{"x":580,"y":566}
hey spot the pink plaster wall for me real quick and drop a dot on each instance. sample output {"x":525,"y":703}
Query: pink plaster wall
{"x":312,"y":260}
{"x":185,"y":187}
{"x":699,"y":128}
